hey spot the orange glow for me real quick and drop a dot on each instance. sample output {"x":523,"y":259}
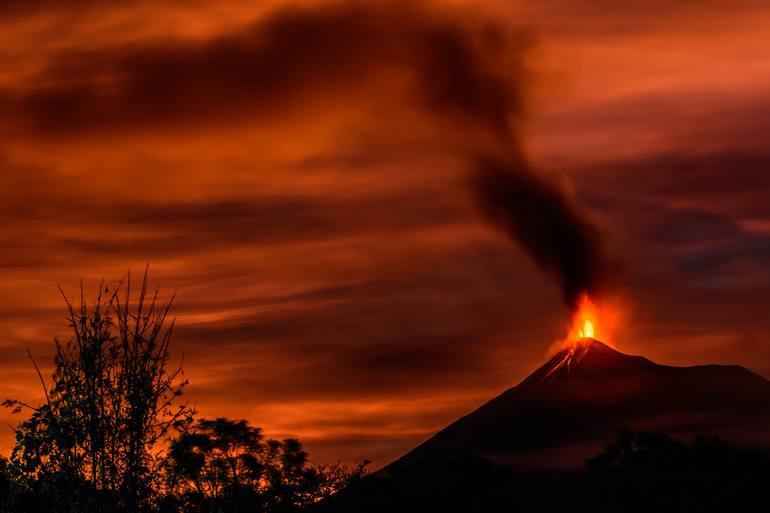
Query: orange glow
{"x":592,"y":320}
{"x":588,"y":330}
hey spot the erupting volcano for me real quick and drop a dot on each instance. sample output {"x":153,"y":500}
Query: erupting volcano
{"x":583,"y":332}
{"x":544,"y":430}
{"x":585,"y":394}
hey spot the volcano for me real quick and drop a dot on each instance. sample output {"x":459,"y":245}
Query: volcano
{"x":526,"y":450}
{"x":583,"y":396}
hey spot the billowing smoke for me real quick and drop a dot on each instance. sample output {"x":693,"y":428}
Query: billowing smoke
{"x":466,"y":73}
{"x":545,"y":223}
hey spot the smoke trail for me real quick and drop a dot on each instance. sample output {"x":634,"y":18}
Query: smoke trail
{"x":466,"y":74}
{"x":544,"y":222}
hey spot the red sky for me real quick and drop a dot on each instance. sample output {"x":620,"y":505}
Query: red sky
{"x":309,"y":200}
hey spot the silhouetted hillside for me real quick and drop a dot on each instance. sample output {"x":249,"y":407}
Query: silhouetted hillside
{"x":526,"y":450}
{"x":583,"y":396}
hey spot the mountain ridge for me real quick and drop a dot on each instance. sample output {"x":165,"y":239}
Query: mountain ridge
{"x":582,"y":396}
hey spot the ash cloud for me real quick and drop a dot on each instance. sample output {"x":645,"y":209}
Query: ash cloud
{"x":543,"y":220}
{"x":466,"y":75}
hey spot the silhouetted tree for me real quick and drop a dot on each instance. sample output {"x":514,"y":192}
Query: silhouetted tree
{"x":92,"y":445}
{"x":654,"y":472}
{"x":5,"y":485}
{"x":222,"y":465}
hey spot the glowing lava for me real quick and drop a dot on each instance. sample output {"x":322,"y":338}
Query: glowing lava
{"x":590,"y":321}
{"x":584,"y":320}
{"x":588,"y":330}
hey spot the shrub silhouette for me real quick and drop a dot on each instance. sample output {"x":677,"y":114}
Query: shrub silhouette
{"x":655,"y":472}
{"x":92,"y":444}
{"x":100,"y":441}
{"x":227,"y":465}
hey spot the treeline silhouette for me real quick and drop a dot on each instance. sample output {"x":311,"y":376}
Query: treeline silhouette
{"x":638,"y":472}
{"x":113,"y":435}
{"x":642,"y":472}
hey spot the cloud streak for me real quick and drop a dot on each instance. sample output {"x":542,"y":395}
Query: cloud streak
{"x":278,"y":62}
{"x":455,"y":71}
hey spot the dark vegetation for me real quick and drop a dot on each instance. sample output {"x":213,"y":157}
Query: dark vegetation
{"x":114,"y":436}
{"x":642,"y":472}
{"x":439,"y":483}
{"x":638,"y":472}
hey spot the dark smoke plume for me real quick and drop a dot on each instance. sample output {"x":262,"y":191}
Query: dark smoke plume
{"x":466,"y":74}
{"x":545,"y":223}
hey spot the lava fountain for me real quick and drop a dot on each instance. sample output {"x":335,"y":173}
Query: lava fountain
{"x":591,"y":320}
{"x":587,"y":331}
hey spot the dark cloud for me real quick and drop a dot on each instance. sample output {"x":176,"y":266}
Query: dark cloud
{"x":596,"y":18}
{"x":730,"y":184}
{"x":290,"y":55}
{"x":631,"y":9}
{"x":711,"y":250}
{"x":155,"y":230}
{"x":279,"y":219}
{"x":699,"y":210}
{"x":402,"y":331}
{"x":734,"y":181}
{"x":457,"y":71}
{"x":414,"y":366}
{"x":31,"y":7}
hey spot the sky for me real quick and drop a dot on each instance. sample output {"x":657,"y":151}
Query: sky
{"x":302,"y":175}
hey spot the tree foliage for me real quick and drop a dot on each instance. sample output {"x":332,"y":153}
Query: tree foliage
{"x":111,"y":401}
{"x":112,"y":436}
{"x":226,"y":465}
{"x":641,"y":472}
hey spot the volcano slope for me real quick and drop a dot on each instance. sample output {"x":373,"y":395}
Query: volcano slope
{"x":526,"y":449}
{"x":584,"y":395}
